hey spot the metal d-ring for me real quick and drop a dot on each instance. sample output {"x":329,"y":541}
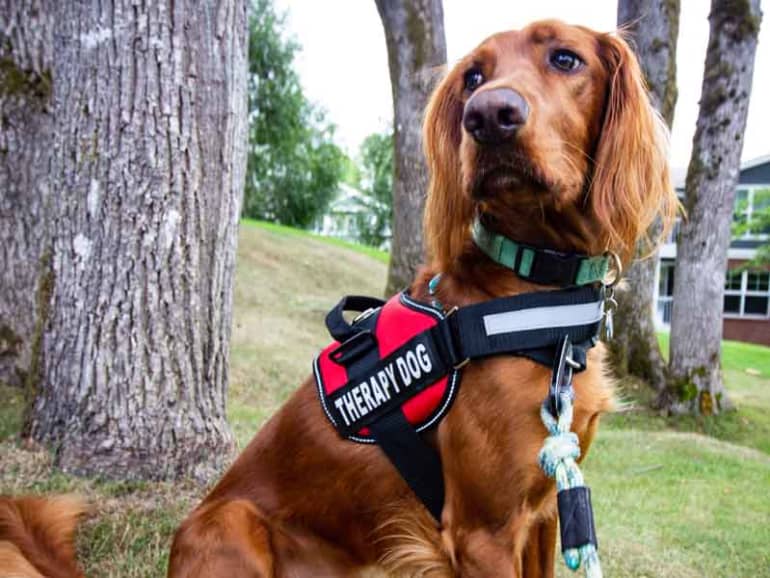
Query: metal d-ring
{"x":616,"y":269}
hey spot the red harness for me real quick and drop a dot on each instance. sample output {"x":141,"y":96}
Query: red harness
{"x":362,"y":401}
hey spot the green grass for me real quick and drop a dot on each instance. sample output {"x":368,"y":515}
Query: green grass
{"x":128,"y":531}
{"x":674,"y":497}
{"x":11,"y":410}
{"x":679,"y":504}
{"x":746,"y":370}
{"x":286,"y":282}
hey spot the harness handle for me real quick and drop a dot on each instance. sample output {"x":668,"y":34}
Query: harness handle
{"x":338,"y":327}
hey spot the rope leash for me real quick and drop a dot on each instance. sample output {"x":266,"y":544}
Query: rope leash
{"x":558,"y":460}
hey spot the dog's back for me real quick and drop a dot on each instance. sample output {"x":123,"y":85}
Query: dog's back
{"x":36,"y":537}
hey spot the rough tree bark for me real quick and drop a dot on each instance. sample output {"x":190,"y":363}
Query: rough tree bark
{"x":653,"y":28}
{"x":696,"y":322}
{"x":414,"y":32}
{"x":146,"y":176}
{"x":25,"y":130}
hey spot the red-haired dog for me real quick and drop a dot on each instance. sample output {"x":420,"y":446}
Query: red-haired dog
{"x":36,"y":537}
{"x":546,"y":133}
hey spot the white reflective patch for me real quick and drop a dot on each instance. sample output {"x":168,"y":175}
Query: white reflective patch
{"x":542,"y":317}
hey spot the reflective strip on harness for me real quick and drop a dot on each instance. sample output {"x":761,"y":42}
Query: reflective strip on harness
{"x":543,"y":317}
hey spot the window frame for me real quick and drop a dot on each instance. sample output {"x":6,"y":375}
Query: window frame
{"x":743,"y":293}
{"x":748,"y":213}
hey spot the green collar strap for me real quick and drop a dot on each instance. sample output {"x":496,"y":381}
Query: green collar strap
{"x":542,"y":266}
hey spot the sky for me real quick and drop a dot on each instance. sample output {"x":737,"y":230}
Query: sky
{"x":343,"y":64}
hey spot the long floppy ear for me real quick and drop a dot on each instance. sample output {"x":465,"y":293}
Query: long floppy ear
{"x":631,"y":187}
{"x":448,"y":210}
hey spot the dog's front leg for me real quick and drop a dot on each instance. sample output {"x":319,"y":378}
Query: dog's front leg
{"x":538,"y":558}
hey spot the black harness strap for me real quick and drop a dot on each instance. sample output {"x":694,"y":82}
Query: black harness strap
{"x":494,"y":327}
{"x":417,"y":462}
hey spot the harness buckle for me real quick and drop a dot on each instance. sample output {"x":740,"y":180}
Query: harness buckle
{"x":364,"y":314}
{"x":465,"y":361}
{"x":554,"y":268}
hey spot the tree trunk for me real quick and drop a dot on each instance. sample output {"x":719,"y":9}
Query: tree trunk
{"x":414,"y":32}
{"x":25,"y":131}
{"x":653,"y":27}
{"x":147,"y":177}
{"x":696,"y":322}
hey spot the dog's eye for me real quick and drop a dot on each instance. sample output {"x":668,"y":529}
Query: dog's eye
{"x":473,"y":79}
{"x":565,"y":60}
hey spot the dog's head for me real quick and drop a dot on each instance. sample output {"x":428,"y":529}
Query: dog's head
{"x":549,"y":133}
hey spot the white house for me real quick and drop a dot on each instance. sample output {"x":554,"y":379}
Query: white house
{"x":346,"y":208}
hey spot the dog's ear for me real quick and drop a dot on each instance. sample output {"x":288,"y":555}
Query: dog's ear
{"x":631,"y":185}
{"x":448,"y":210}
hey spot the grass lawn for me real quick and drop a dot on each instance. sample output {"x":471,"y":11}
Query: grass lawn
{"x":673,"y":498}
{"x":746,"y":369}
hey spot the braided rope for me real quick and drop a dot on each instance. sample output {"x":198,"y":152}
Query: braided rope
{"x":558,"y":460}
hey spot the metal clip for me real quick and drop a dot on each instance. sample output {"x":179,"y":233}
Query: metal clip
{"x":615,"y":271}
{"x":561,"y":377}
{"x":364,"y":315}
{"x":609,"y":306}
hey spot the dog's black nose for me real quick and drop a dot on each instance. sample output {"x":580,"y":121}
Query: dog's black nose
{"x":494,"y":116}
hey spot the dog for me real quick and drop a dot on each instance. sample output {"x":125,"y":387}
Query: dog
{"x":547,"y":134}
{"x":548,"y":137}
{"x":36,"y":537}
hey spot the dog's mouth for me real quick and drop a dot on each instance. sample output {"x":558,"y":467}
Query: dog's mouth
{"x":497,"y":180}
{"x":508,"y":175}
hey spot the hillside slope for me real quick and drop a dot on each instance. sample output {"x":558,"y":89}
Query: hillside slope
{"x":285,"y":284}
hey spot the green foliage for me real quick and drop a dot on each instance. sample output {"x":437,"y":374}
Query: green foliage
{"x":757,"y":223}
{"x":293,"y":164}
{"x":376,"y":181}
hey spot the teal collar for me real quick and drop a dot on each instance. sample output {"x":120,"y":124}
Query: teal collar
{"x":542,"y":266}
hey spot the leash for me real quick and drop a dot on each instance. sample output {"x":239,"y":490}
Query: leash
{"x":558,"y":460}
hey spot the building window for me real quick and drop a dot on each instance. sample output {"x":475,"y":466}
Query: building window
{"x":665,"y":291}
{"x":747,"y":293}
{"x":747,"y":203}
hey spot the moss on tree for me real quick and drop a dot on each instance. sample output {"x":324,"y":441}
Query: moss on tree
{"x":737,"y":17}
{"x":45,"y":288}
{"x":17,"y":82}
{"x":415,"y":30}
